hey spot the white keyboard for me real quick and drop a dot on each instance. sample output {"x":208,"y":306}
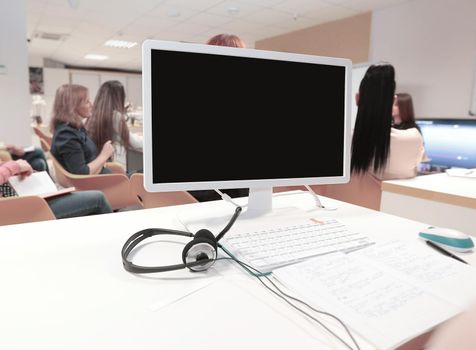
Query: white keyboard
{"x":279,"y":246}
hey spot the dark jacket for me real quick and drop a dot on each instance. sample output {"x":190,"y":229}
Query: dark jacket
{"x":74,"y":149}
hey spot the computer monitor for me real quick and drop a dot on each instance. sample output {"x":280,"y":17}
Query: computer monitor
{"x":222,"y":117}
{"x":449,"y":143}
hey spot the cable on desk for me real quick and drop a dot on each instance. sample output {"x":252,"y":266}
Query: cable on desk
{"x":258,"y":274}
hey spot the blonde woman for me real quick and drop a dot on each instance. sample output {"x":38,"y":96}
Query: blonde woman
{"x":71,"y":145}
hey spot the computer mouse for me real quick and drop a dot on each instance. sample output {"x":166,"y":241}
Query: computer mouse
{"x":448,"y":238}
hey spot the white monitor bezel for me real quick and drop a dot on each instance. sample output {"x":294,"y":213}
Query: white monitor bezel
{"x":150,"y":45}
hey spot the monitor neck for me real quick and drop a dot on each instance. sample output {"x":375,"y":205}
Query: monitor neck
{"x":260,"y":202}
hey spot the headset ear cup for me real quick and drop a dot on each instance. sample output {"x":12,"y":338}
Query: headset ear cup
{"x":198,"y":249}
{"x":204,"y":233}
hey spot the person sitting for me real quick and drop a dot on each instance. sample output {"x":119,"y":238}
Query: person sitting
{"x":71,"y":145}
{"x":378,"y":148}
{"x":108,"y":121}
{"x":36,"y":157}
{"x":229,"y":40}
{"x":379,"y":151}
{"x":403,"y":113}
{"x":65,"y":206}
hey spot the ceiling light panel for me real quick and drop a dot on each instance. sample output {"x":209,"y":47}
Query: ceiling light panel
{"x":120,"y":44}
{"x":93,"y":56}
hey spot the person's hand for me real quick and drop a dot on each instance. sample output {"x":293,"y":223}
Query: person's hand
{"x":107,"y":150}
{"x":25,"y":168}
{"x":16,"y":151}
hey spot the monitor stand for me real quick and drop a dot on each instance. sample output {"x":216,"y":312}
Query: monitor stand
{"x":260,"y":202}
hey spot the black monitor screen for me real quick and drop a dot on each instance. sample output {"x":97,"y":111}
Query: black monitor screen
{"x":221,"y":117}
{"x":450,"y":142}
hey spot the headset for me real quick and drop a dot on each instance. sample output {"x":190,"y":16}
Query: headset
{"x":201,"y":253}
{"x":198,"y":255}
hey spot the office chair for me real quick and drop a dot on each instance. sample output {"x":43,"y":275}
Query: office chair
{"x":116,"y":187}
{"x":362,"y":189}
{"x":158,"y":199}
{"x":46,"y":145}
{"x":17,"y":210}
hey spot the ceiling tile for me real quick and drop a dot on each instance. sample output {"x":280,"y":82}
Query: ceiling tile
{"x":147,"y":26}
{"x":243,"y":9}
{"x":329,"y":14}
{"x":119,"y":6}
{"x":175,"y":13}
{"x":93,"y":22}
{"x":269,"y":17}
{"x":238,"y":27}
{"x":301,"y":6}
{"x":167,"y":35}
{"x":64,"y":11}
{"x":56,"y":24}
{"x":191,"y":28}
{"x":199,"y":5}
{"x":265,"y":3}
{"x":209,"y":19}
{"x":115,"y":22}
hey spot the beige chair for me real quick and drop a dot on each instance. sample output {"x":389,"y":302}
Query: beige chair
{"x":363,"y":190}
{"x":159,"y":199}
{"x":43,"y":136}
{"x":115,"y":168}
{"x":116,"y":187}
{"x":45,"y":146}
{"x":17,"y":210}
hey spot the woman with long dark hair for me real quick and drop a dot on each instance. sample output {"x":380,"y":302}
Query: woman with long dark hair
{"x":108,"y":120}
{"x":386,"y":152}
{"x":403,"y":113}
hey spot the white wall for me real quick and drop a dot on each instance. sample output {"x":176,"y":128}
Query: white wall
{"x":15,"y":98}
{"x":432,"y":44}
{"x":53,"y":79}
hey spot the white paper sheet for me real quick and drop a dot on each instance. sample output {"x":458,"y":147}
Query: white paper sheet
{"x":471,"y":173}
{"x":387,"y":293}
{"x":35,"y":184}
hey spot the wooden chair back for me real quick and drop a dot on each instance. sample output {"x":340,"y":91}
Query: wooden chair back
{"x":17,"y":210}
{"x":158,"y":199}
{"x":116,"y":187}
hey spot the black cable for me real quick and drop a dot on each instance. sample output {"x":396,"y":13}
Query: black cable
{"x":284,"y":295}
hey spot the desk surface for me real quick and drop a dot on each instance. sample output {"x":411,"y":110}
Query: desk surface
{"x":437,"y":187}
{"x":64,"y":287}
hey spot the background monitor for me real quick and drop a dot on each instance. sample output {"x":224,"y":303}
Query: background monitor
{"x":449,"y":142}
{"x":221,"y":117}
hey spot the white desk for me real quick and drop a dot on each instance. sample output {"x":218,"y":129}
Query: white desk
{"x":64,"y":287}
{"x":438,"y":199}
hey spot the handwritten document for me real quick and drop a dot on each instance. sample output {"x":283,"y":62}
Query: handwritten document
{"x":388,"y":293}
